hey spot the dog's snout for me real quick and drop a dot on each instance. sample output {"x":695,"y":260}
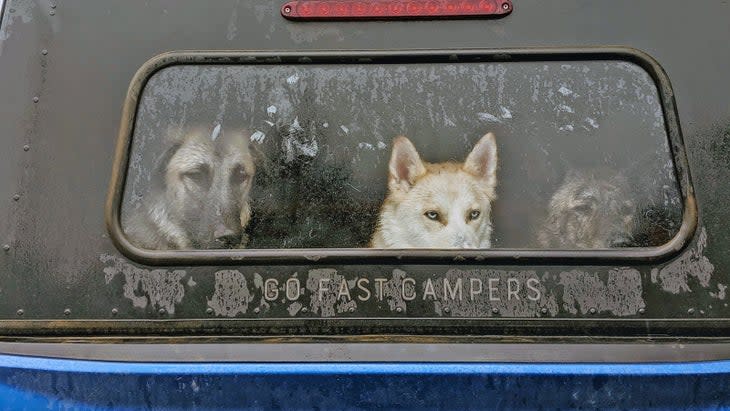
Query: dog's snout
{"x":226,"y":236}
{"x":620,"y":240}
{"x":462,"y":242}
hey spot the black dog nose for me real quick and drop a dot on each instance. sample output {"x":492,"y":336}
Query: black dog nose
{"x":226,"y":237}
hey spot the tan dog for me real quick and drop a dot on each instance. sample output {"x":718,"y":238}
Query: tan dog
{"x":199,"y":197}
{"x":442,"y":205}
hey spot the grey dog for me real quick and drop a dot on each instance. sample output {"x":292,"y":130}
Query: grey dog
{"x":199,"y":195}
{"x":591,"y":209}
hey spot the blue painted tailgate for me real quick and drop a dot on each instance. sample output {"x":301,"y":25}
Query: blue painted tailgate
{"x":41,"y":383}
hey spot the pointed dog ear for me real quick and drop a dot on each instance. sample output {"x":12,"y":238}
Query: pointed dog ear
{"x":405,"y":165}
{"x":160,"y":170}
{"x":482,"y":161}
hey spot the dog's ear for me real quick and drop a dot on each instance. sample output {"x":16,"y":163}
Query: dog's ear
{"x":405,"y":165}
{"x":482,"y":161}
{"x":160,"y":170}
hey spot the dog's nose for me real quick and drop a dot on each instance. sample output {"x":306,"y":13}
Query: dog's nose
{"x":462,"y":242}
{"x":620,"y":240}
{"x":225,"y":236}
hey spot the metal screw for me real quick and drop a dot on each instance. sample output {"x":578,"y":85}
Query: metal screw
{"x":20,"y":312}
{"x":52,"y":12}
{"x":544,"y":310}
{"x":209,"y":311}
{"x":161,"y":311}
{"x":16,"y":197}
{"x":642,"y":310}
{"x":398,"y":309}
{"x":592,"y":310}
{"x":67,"y":312}
{"x":6,"y":247}
{"x":691,"y":311}
{"x":115,"y":311}
{"x":495,"y":310}
{"x":26,"y":147}
{"x":36,"y":99}
{"x":44,"y":52}
{"x":256,"y":310}
{"x":505,"y":6}
{"x":287,"y":9}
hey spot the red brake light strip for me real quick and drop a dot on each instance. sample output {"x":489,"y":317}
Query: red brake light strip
{"x":392,"y":9}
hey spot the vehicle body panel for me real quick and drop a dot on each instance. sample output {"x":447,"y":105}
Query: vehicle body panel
{"x":65,"y":69}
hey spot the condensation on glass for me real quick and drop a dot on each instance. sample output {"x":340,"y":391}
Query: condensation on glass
{"x":555,"y":155}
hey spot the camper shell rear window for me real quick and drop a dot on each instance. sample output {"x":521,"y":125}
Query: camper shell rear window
{"x":417,"y":156}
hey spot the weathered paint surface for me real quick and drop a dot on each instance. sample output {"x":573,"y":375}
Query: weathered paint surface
{"x":692,"y":266}
{"x":159,"y":288}
{"x":489,"y":293}
{"x":18,"y":12}
{"x":231,"y":296}
{"x":327,"y":293}
{"x":619,"y":293}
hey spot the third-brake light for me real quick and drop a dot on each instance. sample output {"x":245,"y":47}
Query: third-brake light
{"x":392,"y":9}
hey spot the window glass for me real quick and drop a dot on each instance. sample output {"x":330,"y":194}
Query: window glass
{"x":554,"y":155}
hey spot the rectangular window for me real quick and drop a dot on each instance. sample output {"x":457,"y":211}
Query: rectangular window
{"x":475,"y":155}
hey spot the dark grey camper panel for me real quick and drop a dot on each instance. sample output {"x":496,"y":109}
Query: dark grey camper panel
{"x":177,"y":170}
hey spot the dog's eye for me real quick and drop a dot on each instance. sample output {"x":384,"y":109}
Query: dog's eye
{"x":198,"y":175}
{"x":432,"y":215}
{"x":583,"y":208}
{"x":238,"y":175}
{"x":474,"y":214}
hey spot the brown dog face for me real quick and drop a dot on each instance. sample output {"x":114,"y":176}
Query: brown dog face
{"x":207,"y":183}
